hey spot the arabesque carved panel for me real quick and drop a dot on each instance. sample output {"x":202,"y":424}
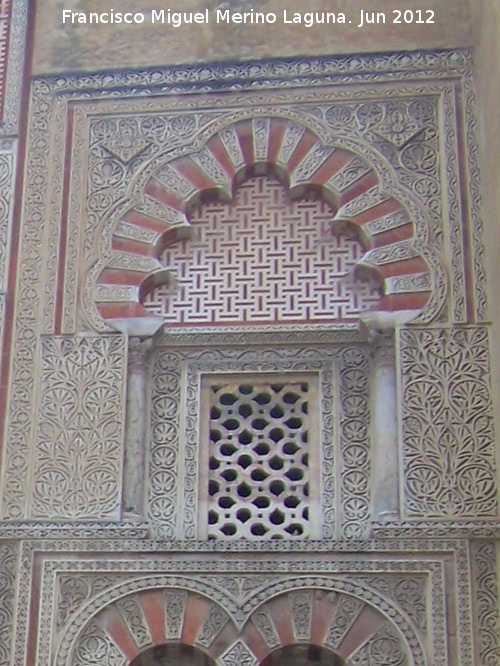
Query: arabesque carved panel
{"x":448,"y":439}
{"x":78,"y":456}
{"x":345,"y":614}
{"x":395,"y":112}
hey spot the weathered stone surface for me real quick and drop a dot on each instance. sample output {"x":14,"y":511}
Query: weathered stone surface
{"x":66,"y":47}
{"x":79,"y":577}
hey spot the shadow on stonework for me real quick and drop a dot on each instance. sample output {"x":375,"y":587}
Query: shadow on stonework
{"x":179,"y":654}
{"x":176,"y":654}
{"x":302,"y":655}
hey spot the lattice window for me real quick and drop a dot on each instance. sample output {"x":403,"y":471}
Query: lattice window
{"x":262,"y":479}
{"x":262,"y":260}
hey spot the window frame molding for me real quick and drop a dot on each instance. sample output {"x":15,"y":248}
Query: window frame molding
{"x":174,"y":497}
{"x":314,"y":467}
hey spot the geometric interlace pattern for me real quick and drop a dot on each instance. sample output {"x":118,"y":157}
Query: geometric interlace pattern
{"x":259,"y":482}
{"x":262,"y":259}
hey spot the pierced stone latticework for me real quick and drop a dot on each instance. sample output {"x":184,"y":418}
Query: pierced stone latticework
{"x":376,"y":138}
{"x":263,"y":442}
{"x":343,"y":489}
{"x":262,"y":260}
{"x":121,"y":170}
{"x":309,"y":163}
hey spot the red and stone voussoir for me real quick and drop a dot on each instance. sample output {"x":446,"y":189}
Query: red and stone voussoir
{"x":296,"y":155}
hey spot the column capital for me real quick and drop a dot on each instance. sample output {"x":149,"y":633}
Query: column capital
{"x":138,"y":350}
{"x":382,"y":343}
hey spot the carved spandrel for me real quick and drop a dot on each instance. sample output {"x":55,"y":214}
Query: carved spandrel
{"x":423,"y":77}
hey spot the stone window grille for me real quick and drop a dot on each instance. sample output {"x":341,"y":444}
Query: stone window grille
{"x":259,"y":472}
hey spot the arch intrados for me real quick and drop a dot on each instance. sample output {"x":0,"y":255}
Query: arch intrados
{"x":173,"y":654}
{"x":212,"y":216}
{"x":256,"y":170}
{"x":391,"y":255}
{"x":246,"y":173}
{"x":300,"y":192}
{"x":306,"y":654}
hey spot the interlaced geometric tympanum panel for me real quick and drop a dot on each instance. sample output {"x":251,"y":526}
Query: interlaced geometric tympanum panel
{"x":262,"y":259}
{"x":5,"y":27}
{"x":262,"y":456}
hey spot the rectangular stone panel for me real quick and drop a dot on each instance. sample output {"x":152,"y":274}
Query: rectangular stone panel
{"x":447,"y":423}
{"x":78,"y":456}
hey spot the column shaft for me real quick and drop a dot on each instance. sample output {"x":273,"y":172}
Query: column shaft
{"x":136,"y":426}
{"x":384,"y":440}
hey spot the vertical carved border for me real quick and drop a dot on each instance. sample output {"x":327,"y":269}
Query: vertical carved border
{"x":13,"y":29}
{"x":452,"y":219}
{"x":354,"y":444}
{"x":485,"y":603}
{"x":50,"y":126}
{"x":22,"y":393}
{"x":12,"y":49}
{"x":164,"y":453}
{"x":8,"y":149}
{"x":471,"y":187}
{"x":8,"y":567}
{"x":23,"y":599}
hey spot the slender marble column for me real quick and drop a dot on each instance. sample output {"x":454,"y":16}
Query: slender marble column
{"x":384,"y":440}
{"x":136,"y":424}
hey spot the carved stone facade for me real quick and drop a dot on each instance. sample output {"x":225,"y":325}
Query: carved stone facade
{"x":248,"y":401}
{"x":449,"y":446}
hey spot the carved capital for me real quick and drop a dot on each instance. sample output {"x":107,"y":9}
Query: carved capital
{"x":138,"y":351}
{"x":383,"y":347}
